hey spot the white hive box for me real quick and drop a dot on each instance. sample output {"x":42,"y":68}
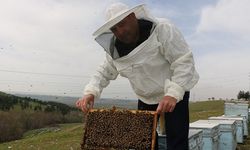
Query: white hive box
{"x":248,"y":113}
{"x":227,"y":128}
{"x":195,"y":139}
{"x":236,"y":109}
{"x":239,"y":126}
{"x":162,"y":145}
{"x":245,"y":123}
{"x":210,"y":134}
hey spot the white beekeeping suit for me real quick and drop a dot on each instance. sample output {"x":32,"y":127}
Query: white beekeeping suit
{"x":161,"y":66}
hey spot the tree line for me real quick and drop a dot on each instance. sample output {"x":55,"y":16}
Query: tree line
{"x":18,"y":115}
{"x":243,"y":95}
{"x":7,"y":102}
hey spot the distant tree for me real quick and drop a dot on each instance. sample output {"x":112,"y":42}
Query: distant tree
{"x":64,"y":110}
{"x":38,"y":108}
{"x":49,"y":108}
{"x":247,"y":95}
{"x":241,"y":94}
{"x":5,"y":104}
{"x":10,"y":127}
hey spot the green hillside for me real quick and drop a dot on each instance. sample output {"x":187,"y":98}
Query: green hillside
{"x":12,"y":102}
{"x":61,"y":137}
{"x":21,"y":114}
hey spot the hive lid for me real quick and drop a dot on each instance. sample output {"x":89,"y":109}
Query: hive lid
{"x":193,"y":132}
{"x":227,"y":122}
{"x":200,"y":124}
{"x":227,"y":118}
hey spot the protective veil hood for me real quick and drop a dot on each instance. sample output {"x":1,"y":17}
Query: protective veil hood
{"x":114,"y":14}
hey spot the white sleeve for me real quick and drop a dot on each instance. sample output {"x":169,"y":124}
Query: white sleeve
{"x":101,"y":79}
{"x":179,"y":55}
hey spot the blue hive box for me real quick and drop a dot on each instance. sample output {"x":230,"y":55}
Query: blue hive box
{"x":227,"y":128}
{"x":239,"y":126}
{"x":210,"y":134}
{"x":236,"y":109}
{"x":195,"y":139}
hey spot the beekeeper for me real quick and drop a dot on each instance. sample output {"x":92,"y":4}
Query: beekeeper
{"x":153,"y":55}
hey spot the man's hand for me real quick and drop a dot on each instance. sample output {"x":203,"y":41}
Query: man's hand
{"x":86,"y":102}
{"x":167,"y":104}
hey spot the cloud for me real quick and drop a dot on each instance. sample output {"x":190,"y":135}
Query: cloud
{"x":49,"y":36}
{"x":222,"y":73}
{"x":49,"y":30}
{"x":53,"y":37}
{"x":226,"y":16}
{"x":221,"y":46}
{"x":47,"y":22}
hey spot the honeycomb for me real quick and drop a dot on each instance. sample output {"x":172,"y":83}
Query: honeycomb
{"x":119,"y":129}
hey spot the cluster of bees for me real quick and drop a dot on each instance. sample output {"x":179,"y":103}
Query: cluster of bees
{"x":118,"y":129}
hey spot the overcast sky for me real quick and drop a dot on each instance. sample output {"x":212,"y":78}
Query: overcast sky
{"x":47,"y":47}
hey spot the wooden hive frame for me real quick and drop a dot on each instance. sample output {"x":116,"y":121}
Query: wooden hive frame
{"x":84,"y":144}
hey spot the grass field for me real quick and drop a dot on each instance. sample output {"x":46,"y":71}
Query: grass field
{"x":68,"y":136}
{"x":205,"y":109}
{"x":61,"y":137}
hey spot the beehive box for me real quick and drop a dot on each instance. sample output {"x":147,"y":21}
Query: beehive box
{"x":227,"y":129}
{"x":245,"y":123}
{"x":162,"y":145}
{"x":236,"y":109}
{"x":210,"y":134}
{"x":119,"y":129}
{"x":239,"y":126}
{"x":195,"y":139}
{"x":248,"y":113}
